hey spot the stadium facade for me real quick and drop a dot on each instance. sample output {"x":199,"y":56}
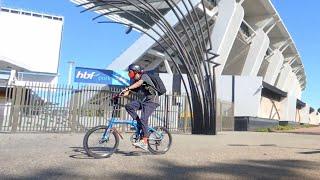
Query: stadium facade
{"x":261,"y":75}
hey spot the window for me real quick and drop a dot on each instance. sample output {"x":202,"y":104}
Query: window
{"x":48,"y":17}
{"x":5,"y":10}
{"x":14,"y":11}
{"x":25,"y":13}
{"x":36,"y":15}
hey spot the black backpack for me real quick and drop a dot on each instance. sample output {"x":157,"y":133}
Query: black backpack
{"x":158,"y":83}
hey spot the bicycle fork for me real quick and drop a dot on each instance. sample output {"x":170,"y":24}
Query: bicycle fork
{"x":107,"y":132}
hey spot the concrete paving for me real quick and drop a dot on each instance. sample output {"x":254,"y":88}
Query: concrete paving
{"x":230,"y":155}
{"x":311,"y":131}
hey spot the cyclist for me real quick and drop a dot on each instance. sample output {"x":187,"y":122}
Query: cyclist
{"x":141,"y":82}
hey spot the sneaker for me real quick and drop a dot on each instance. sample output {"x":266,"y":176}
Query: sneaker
{"x":141,"y":145}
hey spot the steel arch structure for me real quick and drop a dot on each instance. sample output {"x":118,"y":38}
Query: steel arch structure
{"x":195,"y":54}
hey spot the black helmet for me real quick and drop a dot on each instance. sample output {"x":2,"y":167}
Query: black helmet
{"x":135,"y":67}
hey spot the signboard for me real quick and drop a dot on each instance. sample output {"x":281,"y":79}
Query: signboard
{"x":101,"y":76}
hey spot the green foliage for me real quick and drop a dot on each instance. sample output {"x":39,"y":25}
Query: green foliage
{"x":263,"y":130}
{"x":284,"y":128}
{"x":307,"y":126}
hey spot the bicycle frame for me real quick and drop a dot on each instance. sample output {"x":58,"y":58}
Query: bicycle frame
{"x":133,"y":123}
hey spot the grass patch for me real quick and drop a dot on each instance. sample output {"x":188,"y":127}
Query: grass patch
{"x":263,"y":130}
{"x":307,"y":126}
{"x":284,"y":128}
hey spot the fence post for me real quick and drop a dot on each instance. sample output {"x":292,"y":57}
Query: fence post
{"x":167,"y":111}
{"x":185,"y":119}
{"x":74,"y":112}
{"x":14,"y":116}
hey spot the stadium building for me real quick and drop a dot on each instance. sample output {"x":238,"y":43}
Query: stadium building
{"x":261,"y":77}
{"x":29,"y":47}
{"x":29,"y":55}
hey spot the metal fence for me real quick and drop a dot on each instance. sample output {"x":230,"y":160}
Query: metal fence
{"x":61,"y":108}
{"x":225,"y":116}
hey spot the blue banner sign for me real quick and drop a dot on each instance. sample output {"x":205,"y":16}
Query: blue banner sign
{"x":101,"y":76}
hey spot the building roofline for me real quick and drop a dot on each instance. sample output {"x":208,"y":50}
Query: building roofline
{"x":269,"y":5}
{"x":31,"y":13}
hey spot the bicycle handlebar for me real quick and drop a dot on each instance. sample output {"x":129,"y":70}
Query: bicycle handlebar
{"x":115,"y":98}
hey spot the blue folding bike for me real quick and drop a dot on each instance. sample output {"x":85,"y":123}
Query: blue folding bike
{"x":102,"y":141}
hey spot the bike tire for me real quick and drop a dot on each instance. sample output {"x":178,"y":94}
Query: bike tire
{"x":152,"y":143}
{"x":108,"y":151}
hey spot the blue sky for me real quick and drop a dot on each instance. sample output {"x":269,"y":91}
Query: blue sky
{"x":84,"y":41}
{"x":302,"y":20}
{"x":95,"y":45}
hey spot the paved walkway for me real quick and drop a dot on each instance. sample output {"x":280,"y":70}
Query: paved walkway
{"x":230,"y":155}
{"x":311,"y":131}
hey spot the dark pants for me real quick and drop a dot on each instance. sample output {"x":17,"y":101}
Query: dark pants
{"x":147,"y":108}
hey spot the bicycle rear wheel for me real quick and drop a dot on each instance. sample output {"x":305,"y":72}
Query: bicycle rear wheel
{"x":96,"y":146}
{"x":159,"y":141}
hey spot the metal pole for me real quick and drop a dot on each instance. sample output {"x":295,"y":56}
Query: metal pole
{"x":71,"y":64}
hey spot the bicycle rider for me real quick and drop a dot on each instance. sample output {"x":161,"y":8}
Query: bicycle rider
{"x":141,"y":82}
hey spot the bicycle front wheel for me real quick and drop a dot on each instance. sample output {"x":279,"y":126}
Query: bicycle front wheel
{"x":98,"y":146}
{"x":159,"y":141}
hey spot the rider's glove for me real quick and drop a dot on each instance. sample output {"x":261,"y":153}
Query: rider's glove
{"x":125,"y":90}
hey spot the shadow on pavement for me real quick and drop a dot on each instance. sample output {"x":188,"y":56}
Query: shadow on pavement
{"x":271,"y":145}
{"x":133,"y":153}
{"x":79,"y":153}
{"x":310,"y":152}
{"x":258,"y":169}
{"x":163,"y":169}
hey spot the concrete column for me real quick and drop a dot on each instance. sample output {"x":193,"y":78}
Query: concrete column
{"x":256,"y":54}
{"x":305,"y":114}
{"x":313,"y":118}
{"x":273,"y":69}
{"x":296,"y":87}
{"x":225,"y":30}
{"x":288,"y":105}
{"x":13,"y":78}
{"x":298,"y":90}
{"x":288,"y":109}
{"x":168,"y":68}
{"x":284,"y":73}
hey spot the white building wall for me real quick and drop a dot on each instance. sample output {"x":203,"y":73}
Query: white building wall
{"x":30,"y":42}
{"x":224,"y":88}
{"x":247,"y":96}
